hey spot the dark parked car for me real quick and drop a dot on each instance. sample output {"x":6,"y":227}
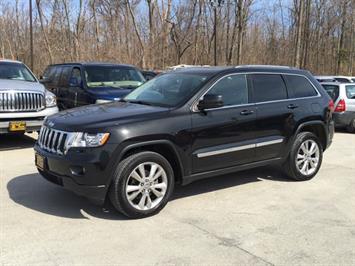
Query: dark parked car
{"x":77,"y":84}
{"x":148,"y":75}
{"x":186,"y":125}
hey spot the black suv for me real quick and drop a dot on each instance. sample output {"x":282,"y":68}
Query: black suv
{"x":186,"y":125}
{"x":77,"y":84}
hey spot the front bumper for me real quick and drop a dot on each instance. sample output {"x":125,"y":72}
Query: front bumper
{"x":343,"y":119}
{"x":85,"y":172}
{"x":34,"y":120}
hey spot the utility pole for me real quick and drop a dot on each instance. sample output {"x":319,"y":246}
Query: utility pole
{"x":215,"y":4}
{"x":31,"y":36}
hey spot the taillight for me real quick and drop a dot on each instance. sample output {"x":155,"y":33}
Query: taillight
{"x":331,"y":105}
{"x":341,"y":107}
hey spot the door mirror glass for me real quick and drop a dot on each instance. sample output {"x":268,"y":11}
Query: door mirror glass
{"x":210,"y":101}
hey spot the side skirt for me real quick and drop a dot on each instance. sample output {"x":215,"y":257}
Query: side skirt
{"x":192,"y":178}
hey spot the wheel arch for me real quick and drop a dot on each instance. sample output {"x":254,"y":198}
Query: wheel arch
{"x":318,"y":128}
{"x":163,"y":147}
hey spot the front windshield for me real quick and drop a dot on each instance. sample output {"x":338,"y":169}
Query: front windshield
{"x":167,"y":90}
{"x":113,"y":76}
{"x":15,"y":71}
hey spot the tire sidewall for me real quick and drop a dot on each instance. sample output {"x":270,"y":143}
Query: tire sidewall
{"x":351,"y":126}
{"x":124,"y":169}
{"x":302,"y":137}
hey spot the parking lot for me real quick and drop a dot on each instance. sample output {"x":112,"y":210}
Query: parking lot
{"x":252,"y":217}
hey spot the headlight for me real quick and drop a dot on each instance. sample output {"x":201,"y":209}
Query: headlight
{"x":79,"y":139}
{"x":51,"y":99}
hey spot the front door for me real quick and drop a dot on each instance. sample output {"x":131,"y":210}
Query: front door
{"x":77,"y":96}
{"x":225,"y":137}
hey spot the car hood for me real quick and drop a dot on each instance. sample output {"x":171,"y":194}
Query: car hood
{"x":18,"y":85}
{"x":109,"y":93}
{"x":100,"y":116}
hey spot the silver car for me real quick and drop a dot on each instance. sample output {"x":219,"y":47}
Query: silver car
{"x":24,"y":102}
{"x":343,"y":95}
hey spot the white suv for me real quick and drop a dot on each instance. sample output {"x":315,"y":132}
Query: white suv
{"x":24,"y":102}
{"x":343,"y":95}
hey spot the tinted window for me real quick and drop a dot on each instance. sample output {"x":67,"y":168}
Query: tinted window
{"x":49,"y":73}
{"x":76,"y":74}
{"x":332,"y":90}
{"x":300,"y":86}
{"x":268,"y":87}
{"x":234,"y":90}
{"x":57,"y":73}
{"x":350,"y":91}
{"x":65,"y":76}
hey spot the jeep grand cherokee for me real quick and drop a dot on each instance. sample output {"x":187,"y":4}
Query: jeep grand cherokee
{"x":186,"y":125}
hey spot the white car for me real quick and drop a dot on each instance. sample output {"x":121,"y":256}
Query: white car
{"x":24,"y":102}
{"x":341,"y":79}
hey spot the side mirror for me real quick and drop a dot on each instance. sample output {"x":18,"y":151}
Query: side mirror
{"x":210,"y":101}
{"x":73,"y":82}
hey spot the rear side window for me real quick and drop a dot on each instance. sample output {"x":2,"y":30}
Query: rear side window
{"x":332,"y":90}
{"x":268,"y":87}
{"x":299,"y":86}
{"x":350,"y":91}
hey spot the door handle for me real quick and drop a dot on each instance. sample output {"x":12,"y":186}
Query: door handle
{"x":247,"y":112}
{"x":292,"y":106}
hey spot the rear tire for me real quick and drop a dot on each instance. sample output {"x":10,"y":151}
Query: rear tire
{"x":142,"y":185}
{"x":351,"y":128}
{"x":305,"y":157}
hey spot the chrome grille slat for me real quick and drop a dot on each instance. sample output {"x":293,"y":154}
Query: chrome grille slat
{"x":14,"y":101}
{"x":52,"y":140}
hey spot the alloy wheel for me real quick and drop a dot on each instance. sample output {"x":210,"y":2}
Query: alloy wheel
{"x":146,"y":186}
{"x":307,"y":158}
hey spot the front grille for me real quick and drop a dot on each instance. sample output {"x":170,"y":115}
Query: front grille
{"x":21,"y":101}
{"x":52,"y":140}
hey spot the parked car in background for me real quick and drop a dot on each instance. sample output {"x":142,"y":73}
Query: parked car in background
{"x":185,"y":125}
{"x":77,"y":84}
{"x":340,"y":79}
{"x":24,"y":102}
{"x":148,"y":74}
{"x":343,"y":95}
{"x":325,"y":78}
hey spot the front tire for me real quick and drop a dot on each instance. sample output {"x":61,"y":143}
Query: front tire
{"x":305,"y":157}
{"x":142,"y":184}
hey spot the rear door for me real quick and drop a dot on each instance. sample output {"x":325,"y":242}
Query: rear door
{"x":225,"y":137}
{"x":274,"y":114}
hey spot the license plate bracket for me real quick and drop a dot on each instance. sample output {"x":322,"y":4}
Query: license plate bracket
{"x":17,"y":126}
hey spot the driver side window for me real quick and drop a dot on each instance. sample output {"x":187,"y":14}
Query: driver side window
{"x":76,"y":74}
{"x":233,"y":89}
